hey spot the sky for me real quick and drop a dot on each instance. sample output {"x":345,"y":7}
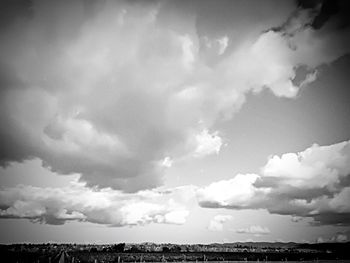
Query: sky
{"x":174,"y":121}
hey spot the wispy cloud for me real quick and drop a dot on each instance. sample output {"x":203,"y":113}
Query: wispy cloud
{"x":254,"y":230}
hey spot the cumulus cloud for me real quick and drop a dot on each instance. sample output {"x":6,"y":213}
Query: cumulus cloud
{"x":296,"y":219}
{"x":238,"y":192}
{"x":338,"y":237}
{"x":207,"y":143}
{"x":167,"y":162}
{"x":217,"y":223}
{"x":77,"y":98}
{"x":254,"y":230}
{"x":110,"y":89}
{"x":312,"y":183}
{"x":105,"y":206}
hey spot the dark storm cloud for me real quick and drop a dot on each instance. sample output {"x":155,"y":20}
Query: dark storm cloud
{"x":338,"y":10}
{"x":10,"y":10}
{"x":324,"y":17}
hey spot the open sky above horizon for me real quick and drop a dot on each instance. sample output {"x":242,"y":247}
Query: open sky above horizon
{"x":174,"y":121}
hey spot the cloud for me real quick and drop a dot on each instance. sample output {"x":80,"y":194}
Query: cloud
{"x":338,"y":238}
{"x":223,"y":43}
{"x":254,"y":230}
{"x":238,"y":192}
{"x":109,"y":89}
{"x":80,"y":102}
{"x":77,"y":202}
{"x":207,"y":143}
{"x":296,"y":219}
{"x":320,"y":240}
{"x":217,"y":223}
{"x":312,"y":183}
{"x":216,"y":46}
{"x":311,"y":77}
{"x":167,"y":162}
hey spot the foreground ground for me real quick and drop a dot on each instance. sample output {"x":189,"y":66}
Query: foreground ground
{"x":72,"y":253}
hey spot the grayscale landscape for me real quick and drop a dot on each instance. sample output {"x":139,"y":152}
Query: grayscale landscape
{"x":174,"y":131}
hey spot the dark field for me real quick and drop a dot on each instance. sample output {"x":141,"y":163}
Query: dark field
{"x":196,"y":256}
{"x":118,"y":253}
{"x":85,"y":256}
